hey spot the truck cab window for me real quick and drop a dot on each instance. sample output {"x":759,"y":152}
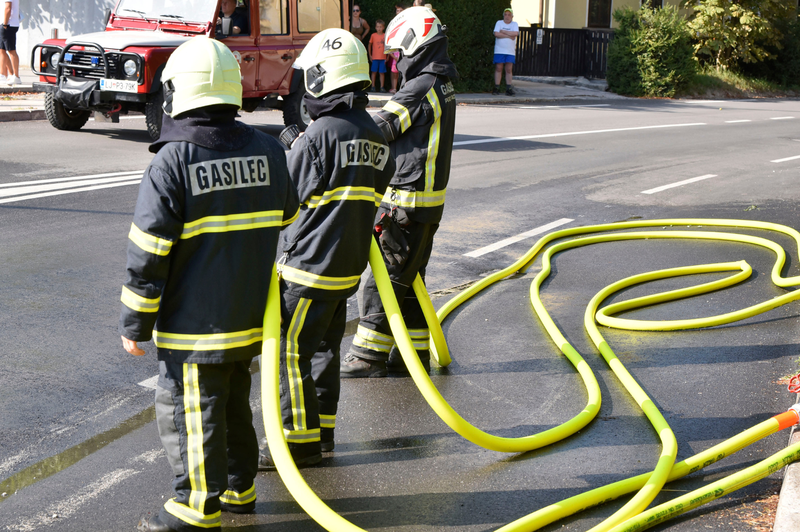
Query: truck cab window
{"x":274,"y":17}
{"x":317,"y":15}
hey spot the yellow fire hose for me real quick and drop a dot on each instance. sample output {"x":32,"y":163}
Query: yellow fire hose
{"x":649,"y":484}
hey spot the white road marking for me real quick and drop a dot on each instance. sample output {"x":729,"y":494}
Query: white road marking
{"x":782,"y":118}
{"x":786,"y":159}
{"x":563,"y":106}
{"x":149,"y":383}
{"x":736,"y":121}
{"x":31,"y":189}
{"x":76,"y":178}
{"x":571,"y":133}
{"x":72,"y":505}
{"x":514,"y":239}
{"x":70,"y":191}
{"x":678,"y":184}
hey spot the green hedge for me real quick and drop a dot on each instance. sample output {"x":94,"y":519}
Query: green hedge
{"x":651,"y":54}
{"x":469,"y":30}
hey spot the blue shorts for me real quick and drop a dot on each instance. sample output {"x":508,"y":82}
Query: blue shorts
{"x":504,"y":58}
{"x":8,"y":38}
{"x":379,"y":66}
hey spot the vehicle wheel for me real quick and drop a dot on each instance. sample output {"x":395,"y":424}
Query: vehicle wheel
{"x":294,"y":110}
{"x":62,"y":118}
{"x":154,"y":114}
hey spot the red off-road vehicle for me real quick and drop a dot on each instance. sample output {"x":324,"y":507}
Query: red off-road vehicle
{"x":119,"y":70}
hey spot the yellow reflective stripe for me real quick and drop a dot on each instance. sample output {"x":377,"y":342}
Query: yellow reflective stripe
{"x":319,"y":281}
{"x":375,"y":336}
{"x":342,"y":194}
{"x":301,"y":436}
{"x":401,"y":112}
{"x":378,"y":198}
{"x":233,"y":497}
{"x":232,"y":222}
{"x":433,"y":140}
{"x":293,"y":364}
{"x":138,"y":303}
{"x":194,"y":438}
{"x":409,"y":199}
{"x":291,"y":220}
{"x":418,"y":333}
{"x":420,"y":338}
{"x":206,"y":342}
{"x":149,"y":243}
{"x":193,"y":517}
{"x":373,"y":346}
{"x":327,"y":421}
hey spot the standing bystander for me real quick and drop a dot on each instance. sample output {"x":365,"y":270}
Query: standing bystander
{"x":358,"y":26}
{"x":505,"y":50}
{"x":419,"y":123}
{"x":203,"y":240}
{"x":9,"y":60}
{"x":378,"y":56}
{"x":341,"y":166}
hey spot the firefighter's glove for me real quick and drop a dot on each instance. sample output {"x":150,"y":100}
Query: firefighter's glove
{"x":393,"y":243}
{"x":289,"y":135}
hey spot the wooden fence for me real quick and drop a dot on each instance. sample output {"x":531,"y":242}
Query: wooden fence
{"x":562,"y":52}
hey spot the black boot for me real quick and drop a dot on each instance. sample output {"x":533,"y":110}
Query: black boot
{"x":396,"y":364}
{"x":326,"y":440}
{"x":303,"y":454}
{"x":354,"y":367}
{"x":238,"y":508}
{"x":153,"y":524}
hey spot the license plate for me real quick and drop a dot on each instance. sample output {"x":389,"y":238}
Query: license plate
{"x":118,"y":85}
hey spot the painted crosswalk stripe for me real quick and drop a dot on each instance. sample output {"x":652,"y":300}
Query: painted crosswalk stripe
{"x":508,"y":241}
{"x":678,"y":184}
{"x":786,"y":159}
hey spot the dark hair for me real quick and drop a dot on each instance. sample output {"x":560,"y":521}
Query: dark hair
{"x":380,"y":21}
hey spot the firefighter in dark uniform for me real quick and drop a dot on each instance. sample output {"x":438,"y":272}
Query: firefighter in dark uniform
{"x":419,"y":123}
{"x":341,"y":166}
{"x":201,"y":247}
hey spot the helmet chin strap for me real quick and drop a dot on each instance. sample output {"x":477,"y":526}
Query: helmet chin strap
{"x":169,"y":90}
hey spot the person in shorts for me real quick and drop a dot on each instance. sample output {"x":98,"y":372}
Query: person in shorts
{"x":9,"y":60}
{"x":378,"y":56}
{"x":505,"y":49}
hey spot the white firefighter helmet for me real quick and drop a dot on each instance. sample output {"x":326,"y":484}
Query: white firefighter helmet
{"x":333,"y":59}
{"x":412,"y":29}
{"x":199,"y":73}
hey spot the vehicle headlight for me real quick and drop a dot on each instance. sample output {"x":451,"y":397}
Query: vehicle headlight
{"x":130,"y":67}
{"x":54,"y":59}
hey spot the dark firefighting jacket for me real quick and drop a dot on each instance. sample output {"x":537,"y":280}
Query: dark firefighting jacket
{"x":341,"y":167}
{"x":204,"y":238}
{"x":419,"y":123}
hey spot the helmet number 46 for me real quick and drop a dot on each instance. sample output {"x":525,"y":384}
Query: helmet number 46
{"x":336,"y":44}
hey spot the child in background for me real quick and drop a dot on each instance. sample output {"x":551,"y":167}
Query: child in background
{"x":378,"y":56}
{"x":391,"y":59}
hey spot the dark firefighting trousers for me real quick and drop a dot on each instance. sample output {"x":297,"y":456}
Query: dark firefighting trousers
{"x":374,"y":340}
{"x":206,"y":426}
{"x":311,"y":337}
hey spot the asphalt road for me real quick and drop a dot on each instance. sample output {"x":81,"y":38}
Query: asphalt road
{"x":79,"y":450}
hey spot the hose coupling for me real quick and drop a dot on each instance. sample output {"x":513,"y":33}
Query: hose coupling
{"x":796,"y":408}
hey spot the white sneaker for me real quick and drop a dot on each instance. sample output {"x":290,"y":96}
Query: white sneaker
{"x":14,"y":81}
{"x":3,"y":79}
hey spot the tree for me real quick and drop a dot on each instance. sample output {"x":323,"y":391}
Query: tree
{"x":730,"y":31}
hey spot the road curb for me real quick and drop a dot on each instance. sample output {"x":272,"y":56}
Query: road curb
{"x":787,"y":516}
{"x":22,"y":115}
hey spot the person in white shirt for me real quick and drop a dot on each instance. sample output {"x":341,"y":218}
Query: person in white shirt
{"x":9,"y":60}
{"x":505,"y":50}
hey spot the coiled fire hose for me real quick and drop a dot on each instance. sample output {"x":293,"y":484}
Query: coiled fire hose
{"x":632,"y":516}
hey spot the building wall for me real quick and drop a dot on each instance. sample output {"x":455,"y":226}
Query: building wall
{"x":69,"y":17}
{"x":566,"y":14}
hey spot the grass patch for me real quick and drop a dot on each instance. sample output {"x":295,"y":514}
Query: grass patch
{"x":711,"y":83}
